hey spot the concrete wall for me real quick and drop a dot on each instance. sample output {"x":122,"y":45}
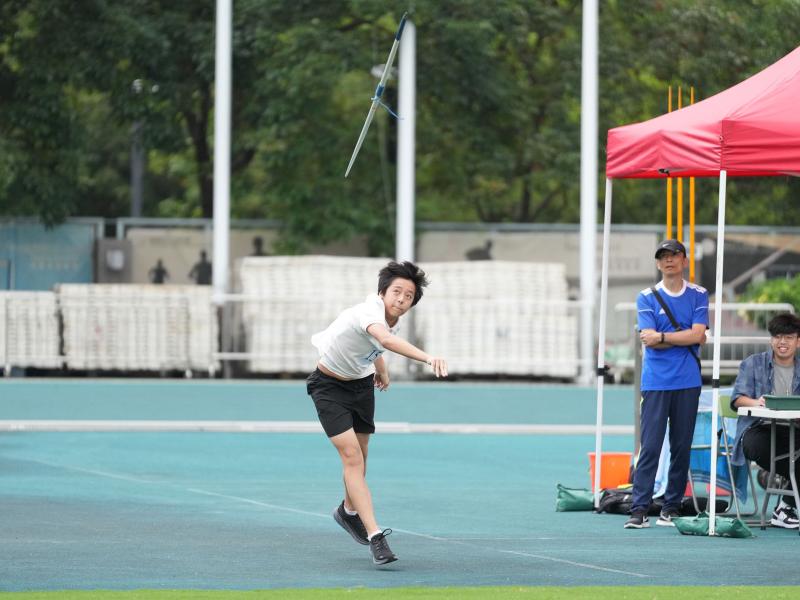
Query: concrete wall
{"x":179,"y":249}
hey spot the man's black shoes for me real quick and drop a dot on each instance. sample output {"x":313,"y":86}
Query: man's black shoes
{"x":638,"y":520}
{"x":351,"y":524}
{"x":379,"y":547}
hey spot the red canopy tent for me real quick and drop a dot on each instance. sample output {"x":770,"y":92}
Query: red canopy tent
{"x":751,"y":129}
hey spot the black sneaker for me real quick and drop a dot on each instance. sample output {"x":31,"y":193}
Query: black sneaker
{"x":666,"y":516}
{"x":379,"y":547}
{"x":352,"y":524}
{"x":638,"y":520}
{"x":784,"y":516}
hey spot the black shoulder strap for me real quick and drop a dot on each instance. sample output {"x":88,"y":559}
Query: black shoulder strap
{"x":675,"y":324}
{"x":667,"y":311}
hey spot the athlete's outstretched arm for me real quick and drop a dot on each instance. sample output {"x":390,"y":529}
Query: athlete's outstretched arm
{"x":407,"y":349}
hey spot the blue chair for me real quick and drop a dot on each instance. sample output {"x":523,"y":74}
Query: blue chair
{"x":725,"y":450}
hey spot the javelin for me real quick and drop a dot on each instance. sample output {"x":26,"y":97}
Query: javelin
{"x":376,"y":100}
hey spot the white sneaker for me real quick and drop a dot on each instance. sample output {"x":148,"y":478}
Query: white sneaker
{"x":666,"y":516}
{"x":784,"y":516}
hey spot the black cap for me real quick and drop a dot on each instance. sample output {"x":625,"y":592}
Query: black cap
{"x":671,"y":245}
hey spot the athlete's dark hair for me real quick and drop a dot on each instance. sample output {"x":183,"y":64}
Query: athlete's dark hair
{"x":405,"y":270}
{"x":783,"y":324}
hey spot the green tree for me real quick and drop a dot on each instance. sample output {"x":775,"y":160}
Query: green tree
{"x":499,"y":121}
{"x":38,"y":138}
{"x":773,"y":290}
{"x":498,"y":107}
{"x":649,"y":45}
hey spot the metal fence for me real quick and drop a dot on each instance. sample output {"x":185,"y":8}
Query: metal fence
{"x":505,"y":324}
{"x":109,"y":328}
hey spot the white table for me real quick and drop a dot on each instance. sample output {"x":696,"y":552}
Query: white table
{"x":789,"y":417}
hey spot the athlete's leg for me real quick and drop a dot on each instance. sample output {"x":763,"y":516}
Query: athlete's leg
{"x":363,"y":441}
{"x":354,"y":466}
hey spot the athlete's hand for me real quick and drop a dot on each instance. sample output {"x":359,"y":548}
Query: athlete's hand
{"x":382,"y":381}
{"x":439,"y":366}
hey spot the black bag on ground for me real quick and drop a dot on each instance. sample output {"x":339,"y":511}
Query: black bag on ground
{"x":618,"y":501}
{"x":688,"y":510}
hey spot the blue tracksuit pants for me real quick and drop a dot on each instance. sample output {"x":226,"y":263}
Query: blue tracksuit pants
{"x":679,"y":408}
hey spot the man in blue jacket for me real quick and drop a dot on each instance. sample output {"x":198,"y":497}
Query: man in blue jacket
{"x":670,"y":380}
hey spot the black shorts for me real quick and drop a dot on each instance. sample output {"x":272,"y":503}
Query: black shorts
{"x":342,"y":405}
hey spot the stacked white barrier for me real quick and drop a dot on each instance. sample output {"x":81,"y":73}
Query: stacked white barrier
{"x":485,"y":317}
{"x":29,"y":334}
{"x":498,"y":317}
{"x":138,"y":327}
{"x":289,"y":298}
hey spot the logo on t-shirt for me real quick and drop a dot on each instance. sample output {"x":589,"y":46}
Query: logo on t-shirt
{"x":373,"y":356}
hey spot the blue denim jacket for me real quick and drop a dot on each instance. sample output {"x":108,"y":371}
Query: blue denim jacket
{"x":755,"y":379}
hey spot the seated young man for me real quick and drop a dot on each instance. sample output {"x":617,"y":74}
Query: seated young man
{"x":776,"y":372}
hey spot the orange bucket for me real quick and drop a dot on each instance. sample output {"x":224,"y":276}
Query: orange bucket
{"x":614,"y":471}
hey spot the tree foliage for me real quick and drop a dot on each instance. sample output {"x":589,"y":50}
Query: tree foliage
{"x":781,"y":291}
{"x":498,"y":106}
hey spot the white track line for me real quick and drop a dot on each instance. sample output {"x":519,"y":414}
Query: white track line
{"x":257,"y":503}
{"x":576,"y":564}
{"x":134,"y":479}
{"x":124,"y":477}
{"x":126,"y":425}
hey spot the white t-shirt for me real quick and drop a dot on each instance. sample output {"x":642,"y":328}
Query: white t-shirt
{"x":345,"y":347}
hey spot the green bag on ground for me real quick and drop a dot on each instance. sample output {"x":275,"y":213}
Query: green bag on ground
{"x":725,"y":526}
{"x":735,"y":528}
{"x":573,"y":499}
{"x":697,"y":525}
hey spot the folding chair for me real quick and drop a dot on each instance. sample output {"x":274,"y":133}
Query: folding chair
{"x":725,"y":450}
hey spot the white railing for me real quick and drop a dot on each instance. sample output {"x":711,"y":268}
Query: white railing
{"x":160,"y":328}
{"x":489,"y":318}
{"x":138,"y":327}
{"x":109,"y":327}
{"x":30,"y":330}
{"x":506,"y":336}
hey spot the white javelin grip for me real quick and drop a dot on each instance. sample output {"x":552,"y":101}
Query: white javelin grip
{"x":378,"y":93}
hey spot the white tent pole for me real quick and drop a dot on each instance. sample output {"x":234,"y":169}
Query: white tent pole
{"x":712,"y":496}
{"x":601,"y":344}
{"x":222,"y":148}
{"x":588,"y":239}
{"x":407,"y":90}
